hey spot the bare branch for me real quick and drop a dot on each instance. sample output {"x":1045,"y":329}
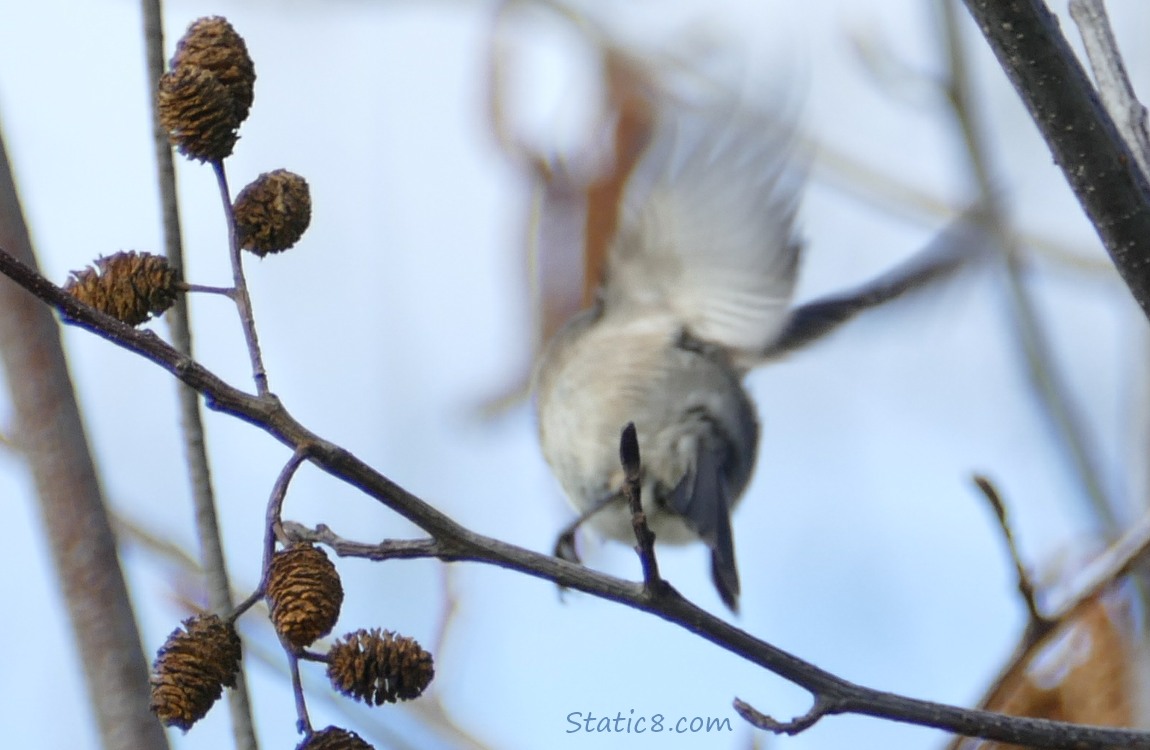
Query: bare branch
{"x":1110,"y":73}
{"x":303,"y":721}
{"x":241,"y":297}
{"x":1082,"y":137}
{"x":1038,"y":624}
{"x":633,"y":491}
{"x":273,"y":523}
{"x":453,"y":542}
{"x":822,"y":707}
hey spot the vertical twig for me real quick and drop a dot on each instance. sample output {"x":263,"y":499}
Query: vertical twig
{"x":1052,"y":394}
{"x":191,"y":419}
{"x":242,"y":299}
{"x":1039,"y":624}
{"x":303,"y":721}
{"x":632,"y":490}
{"x":50,"y":436}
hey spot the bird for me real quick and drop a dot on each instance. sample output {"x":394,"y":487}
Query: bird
{"x":697,"y":291}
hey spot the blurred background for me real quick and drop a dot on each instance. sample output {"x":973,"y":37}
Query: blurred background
{"x":404,"y":318}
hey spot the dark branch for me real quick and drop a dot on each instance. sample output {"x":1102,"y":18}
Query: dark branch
{"x":453,"y":542}
{"x":1080,"y":133}
{"x":822,"y":707}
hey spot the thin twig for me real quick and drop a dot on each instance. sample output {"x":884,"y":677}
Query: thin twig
{"x":633,"y":491}
{"x":303,"y":721}
{"x":821,"y":707}
{"x":390,"y":549}
{"x":273,"y":525}
{"x":225,"y":291}
{"x":453,"y":542}
{"x":252,"y":600}
{"x":1038,"y":624}
{"x":242,"y":298}
{"x":316,"y":656}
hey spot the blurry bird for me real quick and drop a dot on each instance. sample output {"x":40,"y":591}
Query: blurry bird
{"x":697,"y":290}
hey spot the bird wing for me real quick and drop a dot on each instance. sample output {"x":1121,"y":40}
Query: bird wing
{"x":706,"y":230}
{"x":964,"y":244}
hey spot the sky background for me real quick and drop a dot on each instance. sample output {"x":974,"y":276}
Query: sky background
{"x":862,"y":545}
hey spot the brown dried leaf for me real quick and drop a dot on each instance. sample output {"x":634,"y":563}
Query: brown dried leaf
{"x":1084,"y":671}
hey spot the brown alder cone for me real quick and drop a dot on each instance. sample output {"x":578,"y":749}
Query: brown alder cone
{"x":208,"y":92}
{"x":212,"y":44}
{"x":191,"y":669}
{"x":334,"y":738}
{"x":129,"y":286}
{"x":197,"y":113}
{"x":379,"y":667}
{"x":304,"y":594}
{"x":273,"y":212}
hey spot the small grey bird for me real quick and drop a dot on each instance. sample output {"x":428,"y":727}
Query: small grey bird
{"x":697,"y":290}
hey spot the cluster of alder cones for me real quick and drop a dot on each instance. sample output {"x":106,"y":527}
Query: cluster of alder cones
{"x":202,"y":101}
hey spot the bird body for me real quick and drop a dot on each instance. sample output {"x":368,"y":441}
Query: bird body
{"x":698,"y":282}
{"x":683,"y":398}
{"x":697,"y":291}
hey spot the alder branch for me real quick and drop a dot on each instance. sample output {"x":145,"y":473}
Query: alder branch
{"x":452,"y":542}
{"x":1082,"y":136}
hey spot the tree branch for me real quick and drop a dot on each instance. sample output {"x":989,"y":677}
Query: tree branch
{"x":1082,"y":136}
{"x":1114,"y":85}
{"x":453,"y":542}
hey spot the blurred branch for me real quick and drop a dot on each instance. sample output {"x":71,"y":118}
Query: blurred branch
{"x":191,"y":420}
{"x":892,"y":193}
{"x":1130,"y":116}
{"x":50,"y":437}
{"x":1053,"y":395}
{"x":451,"y":542}
{"x":1119,"y":559}
{"x":1113,"y":84}
{"x":1086,"y":144}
